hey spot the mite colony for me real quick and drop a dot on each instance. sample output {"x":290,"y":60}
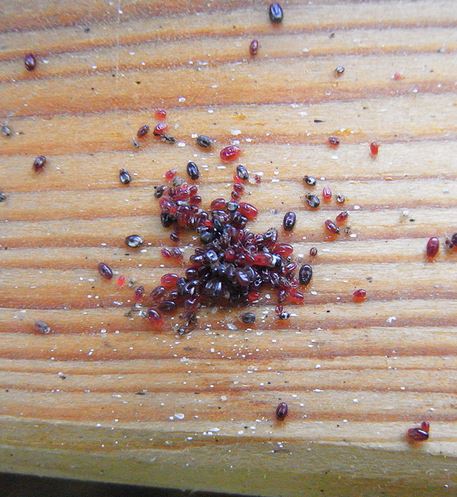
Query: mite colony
{"x":232,"y":265}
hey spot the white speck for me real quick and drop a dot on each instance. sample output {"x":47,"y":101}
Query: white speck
{"x":181,"y":144}
{"x":317,"y":390}
{"x":235,"y":132}
{"x":353,"y":235}
{"x":356,"y":207}
{"x":356,"y":401}
{"x":181,"y":99}
{"x":223,"y":398}
{"x":317,"y":366}
{"x":305,"y":50}
{"x":179,"y":415}
{"x":313,"y":292}
{"x":210,"y":111}
{"x":391,"y":319}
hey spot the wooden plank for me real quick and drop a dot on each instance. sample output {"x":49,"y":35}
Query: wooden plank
{"x":105,"y":398}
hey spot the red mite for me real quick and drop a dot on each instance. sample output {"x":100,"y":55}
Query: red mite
{"x":247,"y":210}
{"x":326,"y":193}
{"x":161,"y":114}
{"x":230,"y":153}
{"x":359,"y":295}
{"x":419,"y":434}
{"x":160,"y":129}
{"x":120,"y":281}
{"x":374,"y":148}
{"x":342,"y":217}
{"x":282,"y":411}
{"x":433,"y":247}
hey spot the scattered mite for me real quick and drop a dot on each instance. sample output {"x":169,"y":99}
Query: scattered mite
{"x":170,"y":174}
{"x":193,"y":171}
{"x":2,"y":196}
{"x":342,"y":217}
{"x":204,"y":141}
{"x":310,"y":180}
{"x":276,"y":13}
{"x":289,"y":221}
{"x":359,"y":295}
{"x":305,"y":274}
{"x":124,"y":176}
{"x":374,"y":149}
{"x":105,"y":270}
{"x":312,"y":201}
{"x":174,"y":236}
{"x":155,"y":318}
{"x":313,"y":251}
{"x":326,"y":193}
{"x":254,"y":47}
{"x":142,"y":131}
{"x":340,"y":199}
{"x":451,"y":243}
{"x":257,"y":178}
{"x":433,"y":247}
{"x":339,"y":70}
{"x":161,"y":114}
{"x":30,"y":62}
{"x":134,"y":241}
{"x":333,"y":141}
{"x":419,"y":434}
{"x":158,"y":191}
{"x":397,"y":76}
{"x":248,"y":317}
{"x":6,"y":130}
{"x":42,"y":327}
{"x":281,"y":313}
{"x":281,"y":411}
{"x":229,"y":153}
{"x":139,"y":293}
{"x":168,"y":139}
{"x":160,"y":128}
{"x":331,"y":227}
{"x":242,"y":173}
{"x":39,"y":163}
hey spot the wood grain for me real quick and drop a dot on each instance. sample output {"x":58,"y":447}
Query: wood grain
{"x":106,"y":398}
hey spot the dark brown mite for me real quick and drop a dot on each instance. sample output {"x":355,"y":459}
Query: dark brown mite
{"x":281,"y":411}
{"x":39,"y":163}
{"x":105,"y":270}
{"x":242,"y":173}
{"x":42,"y":327}
{"x":30,"y":62}
{"x":310,"y":180}
{"x":193,"y":171}
{"x":204,"y":141}
{"x":134,"y":241}
{"x":248,"y":317}
{"x":124,"y":176}
{"x":313,"y":201}
{"x":289,"y":221}
{"x":142,"y":131}
{"x":6,"y":130}
{"x":276,"y":13}
{"x":305,"y":274}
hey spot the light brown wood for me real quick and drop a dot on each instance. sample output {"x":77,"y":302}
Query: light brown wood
{"x":105,"y":398}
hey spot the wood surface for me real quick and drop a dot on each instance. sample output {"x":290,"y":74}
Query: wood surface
{"x":103,"y":396}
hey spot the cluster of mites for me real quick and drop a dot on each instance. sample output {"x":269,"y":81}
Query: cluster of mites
{"x":231,"y":267}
